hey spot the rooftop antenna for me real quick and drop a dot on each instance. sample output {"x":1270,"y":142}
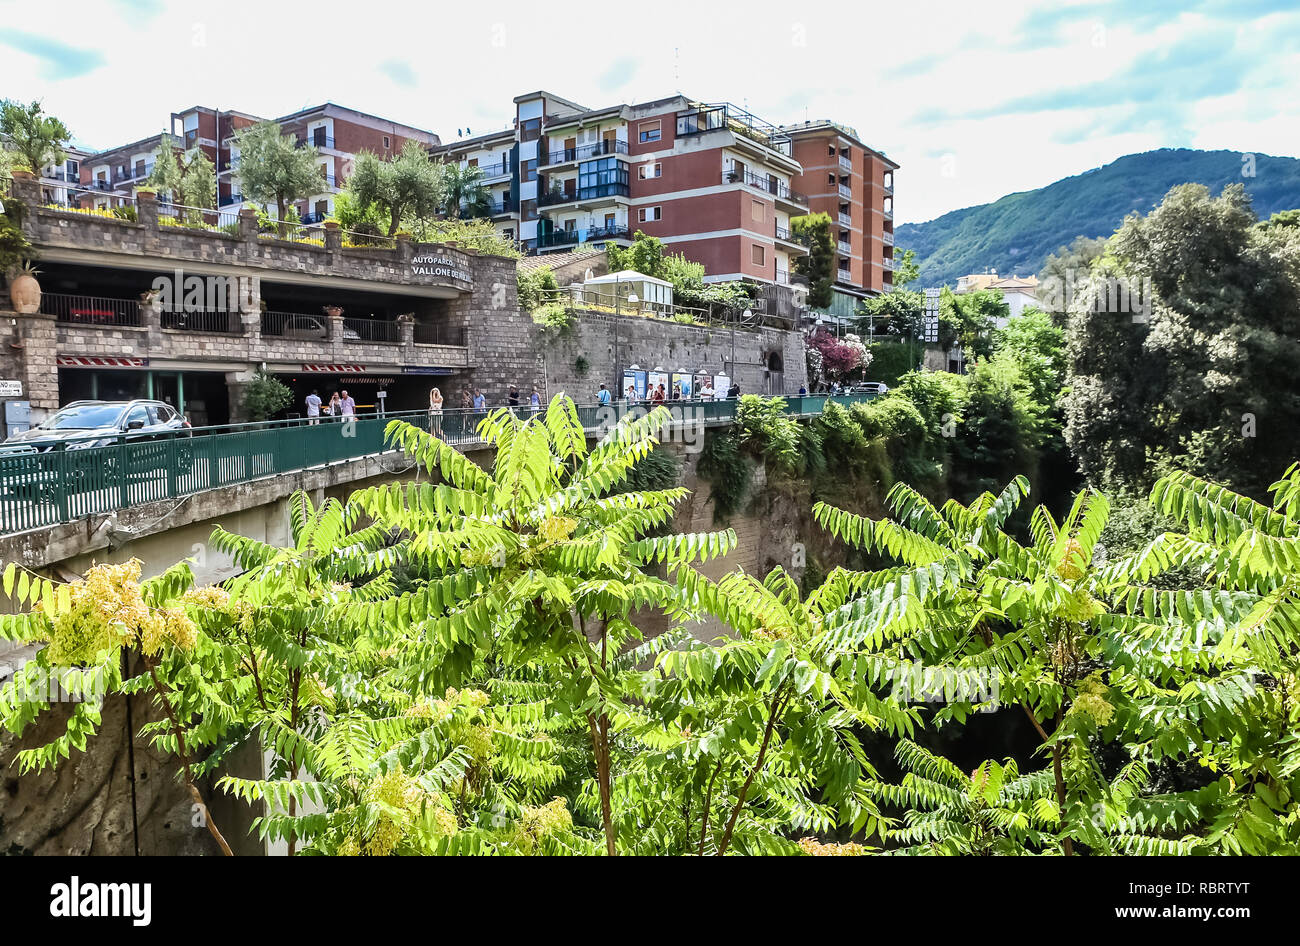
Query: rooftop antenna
{"x":677,"y":76}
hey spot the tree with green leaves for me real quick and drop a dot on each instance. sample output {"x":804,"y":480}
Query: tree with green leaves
{"x":818,"y":266}
{"x":186,"y":177}
{"x":408,"y":186}
{"x":906,"y":269}
{"x":273,"y":169}
{"x":34,"y":138}
{"x":464,"y":192}
{"x":1182,"y":347}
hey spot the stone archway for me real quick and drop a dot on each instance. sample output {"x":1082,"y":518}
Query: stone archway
{"x":774,"y":375}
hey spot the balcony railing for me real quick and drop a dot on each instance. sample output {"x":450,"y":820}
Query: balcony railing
{"x":498,"y":169}
{"x":888,"y":263}
{"x":771,"y":185}
{"x":783,"y":234}
{"x":232,"y":199}
{"x":438,"y":333}
{"x":315,"y":217}
{"x":845,"y":247}
{"x":384,"y":331}
{"x":198,"y":218}
{"x":846,"y":220}
{"x":783,"y":276}
{"x":218,"y":321}
{"x":585,"y":152}
{"x":887,"y":237}
{"x":594,"y":192}
{"x":846,"y":192}
{"x":90,"y":310}
{"x":315,"y":141}
{"x":133,"y":175}
{"x":846,"y":164}
{"x":581,"y":235}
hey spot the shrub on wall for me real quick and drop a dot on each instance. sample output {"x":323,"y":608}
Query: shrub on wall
{"x":729,"y":472}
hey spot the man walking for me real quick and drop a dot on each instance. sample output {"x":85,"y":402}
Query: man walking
{"x":313,"y":408}
{"x":480,"y":402}
{"x":347,"y":406}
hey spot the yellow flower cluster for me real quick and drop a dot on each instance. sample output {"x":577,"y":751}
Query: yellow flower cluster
{"x":556,"y":528}
{"x":537,"y":824}
{"x":399,"y":791}
{"x":106,"y":610}
{"x":815,"y":848}
{"x":209,"y":597}
{"x":1091,"y":701}
{"x":1070,"y":568}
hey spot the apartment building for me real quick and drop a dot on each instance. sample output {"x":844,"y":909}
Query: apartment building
{"x":712,"y":181}
{"x":59,"y":182}
{"x":854,"y":185}
{"x":337,"y":133}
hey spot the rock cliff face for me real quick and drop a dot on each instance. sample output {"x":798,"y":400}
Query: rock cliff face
{"x":86,"y":805}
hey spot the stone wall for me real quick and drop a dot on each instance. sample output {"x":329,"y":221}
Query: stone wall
{"x":658,"y":344}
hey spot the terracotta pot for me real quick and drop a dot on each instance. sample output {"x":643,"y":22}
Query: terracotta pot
{"x":333,"y":310}
{"x":25,"y":294}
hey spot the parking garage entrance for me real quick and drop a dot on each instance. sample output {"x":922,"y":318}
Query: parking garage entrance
{"x":402,"y":391}
{"x":202,"y":396}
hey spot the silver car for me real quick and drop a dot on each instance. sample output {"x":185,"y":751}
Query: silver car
{"x":99,"y":423}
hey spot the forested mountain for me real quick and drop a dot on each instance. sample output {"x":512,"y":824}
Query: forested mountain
{"x":1016,"y":233}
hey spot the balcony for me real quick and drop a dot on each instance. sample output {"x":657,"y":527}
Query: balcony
{"x":723,"y":115}
{"x":314,"y":141}
{"x":782,"y":276}
{"x":845,"y":247}
{"x":314,"y":217}
{"x":845,"y":220}
{"x":846,"y":192}
{"x":888,"y":264}
{"x":495,"y":170}
{"x":134,"y":175}
{"x":232,"y":199}
{"x":585,"y":152}
{"x":595,"y":192}
{"x":846,"y":165}
{"x":888,"y":185}
{"x":888,"y":211}
{"x":560,"y":238}
{"x":887,"y":237}
{"x":770,"y":185}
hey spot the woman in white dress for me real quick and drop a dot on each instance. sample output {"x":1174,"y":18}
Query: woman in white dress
{"x":435,"y":411}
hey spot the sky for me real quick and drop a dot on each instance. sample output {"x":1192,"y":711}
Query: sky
{"x":973,"y":100}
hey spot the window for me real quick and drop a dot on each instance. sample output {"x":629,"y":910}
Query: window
{"x":387,"y":143}
{"x":649,"y":214}
{"x":830,"y":149}
{"x":138,"y":415}
{"x":756,"y":211}
{"x":650,"y":131}
{"x":528,"y":210}
{"x":830,"y":178}
{"x":602,"y":178}
{"x":610,"y":221}
{"x":758,"y":255}
{"x":530,"y":129}
{"x":650,"y":170}
{"x":528,"y":170}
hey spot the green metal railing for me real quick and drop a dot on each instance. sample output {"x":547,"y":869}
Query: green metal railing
{"x":43,"y":483}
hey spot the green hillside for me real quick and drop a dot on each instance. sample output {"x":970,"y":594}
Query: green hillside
{"x":1017,"y":233}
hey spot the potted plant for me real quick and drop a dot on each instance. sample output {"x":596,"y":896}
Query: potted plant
{"x":333,"y":311}
{"x":24,"y":290}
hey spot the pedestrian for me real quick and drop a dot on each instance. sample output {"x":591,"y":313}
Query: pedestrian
{"x":480,"y":402}
{"x":707,"y":393}
{"x":335,"y":407}
{"x":603,"y":395}
{"x":734,"y":391}
{"x":631,"y":395}
{"x":657,"y":396}
{"x":435,"y":411}
{"x":513,"y":397}
{"x":803,"y":391}
{"x":677,"y":391}
{"x":313,"y":408}
{"x":535,"y":400}
{"x":347,"y":406}
{"x":466,"y":402}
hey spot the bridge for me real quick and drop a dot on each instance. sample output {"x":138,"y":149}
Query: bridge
{"x":62,"y":500}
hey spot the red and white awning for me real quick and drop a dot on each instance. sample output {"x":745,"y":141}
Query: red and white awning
{"x":335,"y":369}
{"x":96,"y":361}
